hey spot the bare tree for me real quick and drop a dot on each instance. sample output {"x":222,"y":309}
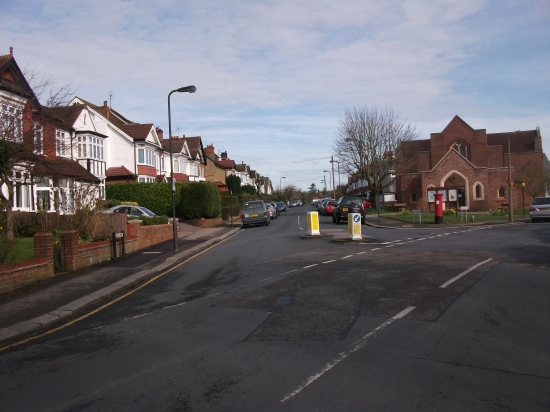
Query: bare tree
{"x":369,"y":142}
{"x":259,"y":184}
{"x":535,"y":177}
{"x":290,"y":191}
{"x":44,"y":88}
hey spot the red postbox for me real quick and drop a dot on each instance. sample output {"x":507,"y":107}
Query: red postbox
{"x":438,"y":207}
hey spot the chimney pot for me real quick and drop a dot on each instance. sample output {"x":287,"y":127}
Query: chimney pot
{"x":105,"y":103}
{"x":11,"y":51}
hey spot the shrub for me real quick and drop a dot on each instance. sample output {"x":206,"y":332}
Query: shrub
{"x":24,"y":228}
{"x":6,"y":245}
{"x":226,"y":205}
{"x":154,"y":196}
{"x":449,"y":212}
{"x":155,"y":220}
{"x":199,"y":200}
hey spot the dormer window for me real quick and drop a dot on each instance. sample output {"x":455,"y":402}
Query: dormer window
{"x":461,"y":149}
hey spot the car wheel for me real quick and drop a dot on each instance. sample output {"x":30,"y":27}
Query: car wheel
{"x":245,"y":226}
{"x":337,"y":220}
{"x":533,"y":220}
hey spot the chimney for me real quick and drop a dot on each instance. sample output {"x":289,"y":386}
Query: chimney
{"x":224,"y":155}
{"x":209,"y":149}
{"x":160,"y":133}
{"x":11,"y":51}
{"x":106,"y":108}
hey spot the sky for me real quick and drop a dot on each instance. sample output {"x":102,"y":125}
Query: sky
{"x":274,"y":77}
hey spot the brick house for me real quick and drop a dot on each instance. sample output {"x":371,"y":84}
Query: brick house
{"x":470,"y":167}
{"x":44,"y":173}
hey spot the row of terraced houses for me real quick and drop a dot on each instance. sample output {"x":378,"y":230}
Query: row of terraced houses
{"x":84,"y":143}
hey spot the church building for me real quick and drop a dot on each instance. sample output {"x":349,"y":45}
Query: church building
{"x":470,"y":168}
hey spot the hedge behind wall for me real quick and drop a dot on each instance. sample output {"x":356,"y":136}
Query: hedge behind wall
{"x":194,"y":200}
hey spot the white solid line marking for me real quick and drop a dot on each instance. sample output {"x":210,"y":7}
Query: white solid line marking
{"x":330,"y":261}
{"x":354,"y":348}
{"x":376,"y":248}
{"x":464,"y":273}
{"x":345,"y":257}
{"x":263,"y":280}
{"x":310,"y":266}
{"x":149,"y":253}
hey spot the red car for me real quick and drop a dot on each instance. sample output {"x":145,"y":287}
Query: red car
{"x":367,"y":204}
{"x":329,"y":207}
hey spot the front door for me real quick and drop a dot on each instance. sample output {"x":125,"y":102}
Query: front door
{"x":461,"y":196}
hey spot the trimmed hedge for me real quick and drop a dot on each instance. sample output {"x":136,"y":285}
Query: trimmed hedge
{"x":200,"y":200}
{"x":194,"y":200}
{"x":154,"y":196}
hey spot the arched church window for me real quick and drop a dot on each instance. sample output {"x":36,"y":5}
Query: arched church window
{"x":414,"y":197}
{"x":478,"y":191}
{"x":461,"y":149}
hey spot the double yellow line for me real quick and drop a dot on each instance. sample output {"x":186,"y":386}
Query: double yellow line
{"x":11,"y":345}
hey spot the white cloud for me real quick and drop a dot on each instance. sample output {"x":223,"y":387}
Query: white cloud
{"x":284,"y":71}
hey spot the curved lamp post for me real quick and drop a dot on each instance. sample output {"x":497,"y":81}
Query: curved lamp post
{"x":187,"y":89}
{"x":280,"y":188}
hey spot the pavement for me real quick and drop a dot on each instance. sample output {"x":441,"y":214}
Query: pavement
{"x":389,"y":223}
{"x":33,"y":309}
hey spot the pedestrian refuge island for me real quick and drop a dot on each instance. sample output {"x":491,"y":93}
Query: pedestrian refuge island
{"x":313,"y":224}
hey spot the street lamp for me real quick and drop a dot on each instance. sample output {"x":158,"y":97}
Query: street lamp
{"x":325,"y":182}
{"x":510,"y":184}
{"x":280,"y":188}
{"x":328,"y":171}
{"x":187,"y":89}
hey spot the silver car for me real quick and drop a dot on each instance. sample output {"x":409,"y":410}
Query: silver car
{"x":540,"y":209}
{"x":136,"y":211}
{"x":255,"y":213}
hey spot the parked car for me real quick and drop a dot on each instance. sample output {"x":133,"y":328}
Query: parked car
{"x":540,"y":209}
{"x":323,"y":205}
{"x":272,"y":211}
{"x":345,"y":205}
{"x":367,"y":203}
{"x":255,"y":213}
{"x":274,"y":204}
{"x":329,"y":207}
{"x":292,"y":203}
{"x":134,"y":211}
{"x":281,"y":206}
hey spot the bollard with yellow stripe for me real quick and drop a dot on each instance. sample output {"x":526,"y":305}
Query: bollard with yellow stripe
{"x":313,"y":224}
{"x":354,"y":226}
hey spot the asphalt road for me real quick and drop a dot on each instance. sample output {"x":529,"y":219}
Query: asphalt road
{"x":268,"y":321}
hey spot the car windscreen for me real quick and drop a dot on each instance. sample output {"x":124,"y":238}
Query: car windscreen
{"x":147,"y":211}
{"x":347,"y":202}
{"x":542,"y":201}
{"x":252,"y":205}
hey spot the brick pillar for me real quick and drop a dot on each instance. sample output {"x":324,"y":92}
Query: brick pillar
{"x":132,"y":227}
{"x":43,"y":247}
{"x":69,"y":242}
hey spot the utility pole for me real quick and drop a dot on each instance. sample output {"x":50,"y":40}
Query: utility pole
{"x":510,"y":183}
{"x":333,"y":183}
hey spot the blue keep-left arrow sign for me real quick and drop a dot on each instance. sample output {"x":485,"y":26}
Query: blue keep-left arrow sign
{"x":356,"y":218}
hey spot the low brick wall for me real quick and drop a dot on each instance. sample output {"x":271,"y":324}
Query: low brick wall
{"x":74,"y":256}
{"x":16,"y":275}
{"x":217,"y":221}
{"x":152,"y":235}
